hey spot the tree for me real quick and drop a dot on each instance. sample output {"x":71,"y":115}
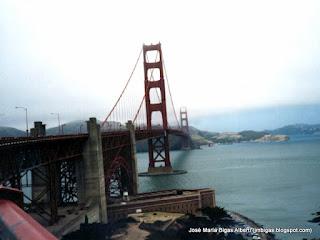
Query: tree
{"x":216,"y":214}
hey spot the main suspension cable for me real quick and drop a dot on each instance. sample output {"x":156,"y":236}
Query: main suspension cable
{"x":144,"y":97}
{"x":125,"y":87}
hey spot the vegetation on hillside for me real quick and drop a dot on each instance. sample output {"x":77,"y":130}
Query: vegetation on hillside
{"x":250,"y":135}
{"x":216,"y":214}
{"x":11,"y":132}
{"x":298,"y":129}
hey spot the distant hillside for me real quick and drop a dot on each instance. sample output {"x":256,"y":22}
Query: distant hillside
{"x":78,"y":126}
{"x":11,"y":132}
{"x":200,"y":137}
{"x":276,"y":135}
{"x":204,"y":137}
{"x":69,"y":128}
{"x":271,"y":117}
{"x":298,"y":129}
{"x":247,"y":136}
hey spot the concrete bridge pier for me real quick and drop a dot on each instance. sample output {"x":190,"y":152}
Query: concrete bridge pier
{"x":133,"y":160}
{"x":90,"y":175}
{"x":39,"y":175}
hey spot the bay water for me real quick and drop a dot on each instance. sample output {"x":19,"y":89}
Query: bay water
{"x":275,"y":184}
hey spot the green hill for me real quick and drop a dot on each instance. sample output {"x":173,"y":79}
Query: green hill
{"x":298,"y":129}
{"x":69,"y":128}
{"x":11,"y":132}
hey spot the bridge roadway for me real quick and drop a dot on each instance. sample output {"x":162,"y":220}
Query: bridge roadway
{"x":141,"y":134}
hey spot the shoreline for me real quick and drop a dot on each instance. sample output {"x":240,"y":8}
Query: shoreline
{"x":239,"y":217}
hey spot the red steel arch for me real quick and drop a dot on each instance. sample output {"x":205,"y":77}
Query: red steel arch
{"x":118,"y":176}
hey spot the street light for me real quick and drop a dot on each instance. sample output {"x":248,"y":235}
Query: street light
{"x":62,"y":126}
{"x":26,"y":110}
{"x":59,"y":127}
{"x":80,"y":130}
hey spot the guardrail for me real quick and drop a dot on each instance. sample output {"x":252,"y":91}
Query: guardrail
{"x":16,"y":224}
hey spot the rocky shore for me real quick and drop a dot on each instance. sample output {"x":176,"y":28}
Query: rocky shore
{"x":252,"y":224}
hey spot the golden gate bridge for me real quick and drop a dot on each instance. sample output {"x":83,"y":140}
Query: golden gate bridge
{"x":101,"y":165}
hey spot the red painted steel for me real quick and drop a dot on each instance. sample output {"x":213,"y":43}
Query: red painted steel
{"x":184,"y":123}
{"x":16,"y":223}
{"x":117,"y":164}
{"x":157,"y":153}
{"x":157,"y":83}
{"x":184,"y":119}
{"x":140,"y":133}
{"x":12,"y":194}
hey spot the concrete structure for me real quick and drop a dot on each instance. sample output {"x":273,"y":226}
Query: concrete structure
{"x":39,"y":184}
{"x":90,"y":173}
{"x":133,"y":162}
{"x":39,"y":130}
{"x":160,"y":170}
{"x":178,"y":201}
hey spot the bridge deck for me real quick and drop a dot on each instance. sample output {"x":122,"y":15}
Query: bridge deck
{"x":141,"y":134}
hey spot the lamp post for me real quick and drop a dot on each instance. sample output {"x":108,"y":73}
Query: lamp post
{"x":62,"y":126}
{"x":26,"y":110}
{"x":59,"y":126}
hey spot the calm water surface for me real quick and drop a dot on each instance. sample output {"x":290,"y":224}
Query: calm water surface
{"x":275,"y":184}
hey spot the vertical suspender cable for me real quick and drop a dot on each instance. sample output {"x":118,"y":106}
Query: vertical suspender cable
{"x":166,"y":76}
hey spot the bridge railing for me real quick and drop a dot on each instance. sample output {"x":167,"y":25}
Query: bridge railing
{"x":17,"y":140}
{"x":16,"y":223}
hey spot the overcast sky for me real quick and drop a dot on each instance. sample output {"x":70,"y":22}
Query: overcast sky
{"x":74,"y":57}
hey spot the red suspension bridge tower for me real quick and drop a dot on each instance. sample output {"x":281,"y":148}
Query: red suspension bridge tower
{"x":184,"y":119}
{"x":152,"y":108}
{"x":159,"y":157}
{"x":184,"y":123}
